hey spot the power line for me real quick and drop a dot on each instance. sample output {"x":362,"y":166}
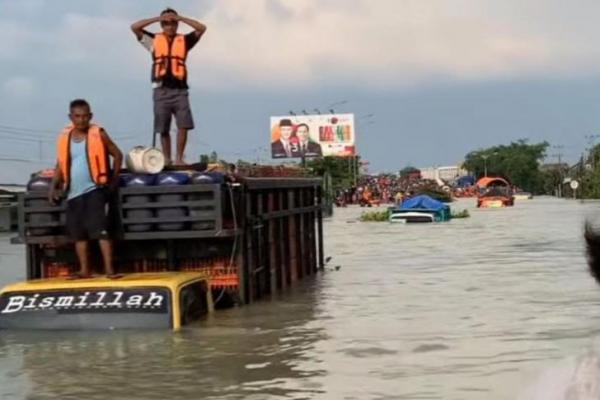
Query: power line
{"x":3,"y":158}
{"x":43,"y":143}
{"x":29,"y":132}
{"x":559,"y":152}
{"x":16,"y":128}
{"x":24,"y":138}
{"x":23,"y":134}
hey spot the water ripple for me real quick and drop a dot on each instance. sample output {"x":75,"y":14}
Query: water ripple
{"x":470,"y":309}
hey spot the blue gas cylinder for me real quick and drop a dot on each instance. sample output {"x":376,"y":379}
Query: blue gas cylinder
{"x":136,"y":180}
{"x":40,"y":185}
{"x":171,"y":179}
{"x":207,"y":177}
{"x":204,"y":178}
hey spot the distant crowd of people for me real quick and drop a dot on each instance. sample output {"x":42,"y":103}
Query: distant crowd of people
{"x":394,"y":189}
{"x":381,"y":189}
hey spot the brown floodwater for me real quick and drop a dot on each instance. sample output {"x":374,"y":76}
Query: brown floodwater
{"x":496,"y":306}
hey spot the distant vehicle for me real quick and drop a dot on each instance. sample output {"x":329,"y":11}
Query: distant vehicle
{"x":420,"y":209}
{"x":523,"y":196}
{"x":407,"y":216}
{"x":494,"y":192}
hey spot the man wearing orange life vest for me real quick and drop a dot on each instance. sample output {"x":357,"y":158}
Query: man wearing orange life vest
{"x":169,"y":75}
{"x":83,"y":173}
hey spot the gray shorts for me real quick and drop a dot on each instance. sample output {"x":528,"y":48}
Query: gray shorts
{"x":168,"y":102}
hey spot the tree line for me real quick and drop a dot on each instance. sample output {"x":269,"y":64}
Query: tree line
{"x":522,"y":164}
{"x":519,"y":163}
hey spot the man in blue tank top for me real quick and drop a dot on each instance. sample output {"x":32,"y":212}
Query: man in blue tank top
{"x":83,"y":170}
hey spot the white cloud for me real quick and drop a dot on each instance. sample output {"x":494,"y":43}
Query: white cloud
{"x":384,"y":42}
{"x":372,"y":43}
{"x":18,"y":87}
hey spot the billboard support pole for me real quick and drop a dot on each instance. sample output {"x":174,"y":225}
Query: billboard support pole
{"x":350,"y":168}
{"x":354,"y":165}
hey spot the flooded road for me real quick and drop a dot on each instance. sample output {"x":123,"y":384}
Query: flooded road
{"x":496,"y":306}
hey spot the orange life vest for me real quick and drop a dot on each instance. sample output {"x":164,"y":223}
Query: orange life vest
{"x":97,"y":156}
{"x":169,"y":55}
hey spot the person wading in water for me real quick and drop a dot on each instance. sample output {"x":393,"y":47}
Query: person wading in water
{"x":83,"y":173}
{"x":169,"y":51}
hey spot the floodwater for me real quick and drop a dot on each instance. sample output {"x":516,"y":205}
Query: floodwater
{"x":496,"y":306}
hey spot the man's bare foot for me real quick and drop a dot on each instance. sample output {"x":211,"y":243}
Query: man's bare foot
{"x":114,"y":276}
{"x":180,"y":162}
{"x":78,"y":275}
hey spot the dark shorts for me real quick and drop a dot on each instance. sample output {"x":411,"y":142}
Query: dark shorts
{"x":168,"y":102}
{"x":87,"y":216}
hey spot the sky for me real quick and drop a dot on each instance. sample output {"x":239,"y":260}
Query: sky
{"x":439,"y":78}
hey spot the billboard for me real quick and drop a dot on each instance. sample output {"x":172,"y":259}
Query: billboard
{"x":295,"y":136}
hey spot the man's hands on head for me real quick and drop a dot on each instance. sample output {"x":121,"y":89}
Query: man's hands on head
{"x":169,"y":17}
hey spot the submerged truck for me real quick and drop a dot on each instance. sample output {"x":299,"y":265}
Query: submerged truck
{"x":185,"y":243}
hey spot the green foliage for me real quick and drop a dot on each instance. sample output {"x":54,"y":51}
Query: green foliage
{"x":211,"y":158}
{"x":341,"y":169}
{"x":460,"y":214}
{"x":518,"y":162}
{"x":586,"y":172}
{"x":242,"y":164}
{"x":551,"y":178}
{"x":591,"y":186}
{"x":589,"y":175}
{"x":404,"y":172}
{"x":384,"y":215}
{"x":375,"y":216}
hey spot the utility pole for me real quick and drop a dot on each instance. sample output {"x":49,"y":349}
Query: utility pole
{"x":485,"y":157}
{"x":558,"y":155}
{"x":356,"y":170}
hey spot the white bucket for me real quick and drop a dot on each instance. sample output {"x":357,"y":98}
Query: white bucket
{"x":145,"y":160}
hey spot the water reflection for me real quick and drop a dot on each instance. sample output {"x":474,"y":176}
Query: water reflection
{"x":267,"y":349}
{"x":472,"y":309}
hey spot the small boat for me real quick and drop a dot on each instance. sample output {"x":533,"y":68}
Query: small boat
{"x":494,"y":192}
{"x":492,"y":202}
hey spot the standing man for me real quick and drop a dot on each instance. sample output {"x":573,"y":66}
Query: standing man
{"x":169,"y":75}
{"x":286,"y":146}
{"x":307,"y":147}
{"x":83,"y":172}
